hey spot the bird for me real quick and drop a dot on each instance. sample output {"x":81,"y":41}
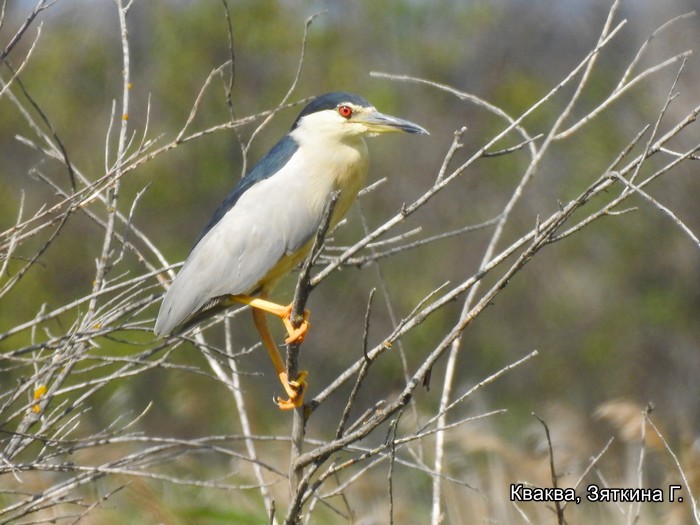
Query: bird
{"x":266,"y":226}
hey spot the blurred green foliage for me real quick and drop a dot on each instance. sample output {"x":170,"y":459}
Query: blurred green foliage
{"x":603,"y":308}
{"x":74,"y":75}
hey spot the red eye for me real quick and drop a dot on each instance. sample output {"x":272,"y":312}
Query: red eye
{"x":345,"y":111}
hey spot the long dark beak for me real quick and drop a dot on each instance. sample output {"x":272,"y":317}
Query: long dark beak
{"x":380,"y":123}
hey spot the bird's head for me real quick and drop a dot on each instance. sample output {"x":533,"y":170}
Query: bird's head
{"x":340,"y":115}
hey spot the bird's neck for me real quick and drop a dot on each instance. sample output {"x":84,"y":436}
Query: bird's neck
{"x":333,"y":163}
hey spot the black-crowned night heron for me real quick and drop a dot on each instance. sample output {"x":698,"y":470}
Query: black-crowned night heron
{"x":266,"y":226}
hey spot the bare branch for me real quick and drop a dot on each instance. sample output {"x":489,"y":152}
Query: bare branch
{"x":69,"y":360}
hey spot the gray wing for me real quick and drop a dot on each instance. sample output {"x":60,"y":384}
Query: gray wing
{"x":273,"y":218}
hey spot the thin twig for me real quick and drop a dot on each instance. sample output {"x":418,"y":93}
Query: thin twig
{"x":362,"y":374}
{"x":552,"y":471}
{"x":301,"y":296}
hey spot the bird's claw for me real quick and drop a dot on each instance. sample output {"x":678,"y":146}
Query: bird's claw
{"x":295,"y":335}
{"x":295,"y":390}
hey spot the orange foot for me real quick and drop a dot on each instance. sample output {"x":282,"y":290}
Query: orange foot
{"x":295,"y":335}
{"x":295,"y":390}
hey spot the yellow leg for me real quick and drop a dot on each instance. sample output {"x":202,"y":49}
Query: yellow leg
{"x":295,"y":335}
{"x":295,"y":389}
